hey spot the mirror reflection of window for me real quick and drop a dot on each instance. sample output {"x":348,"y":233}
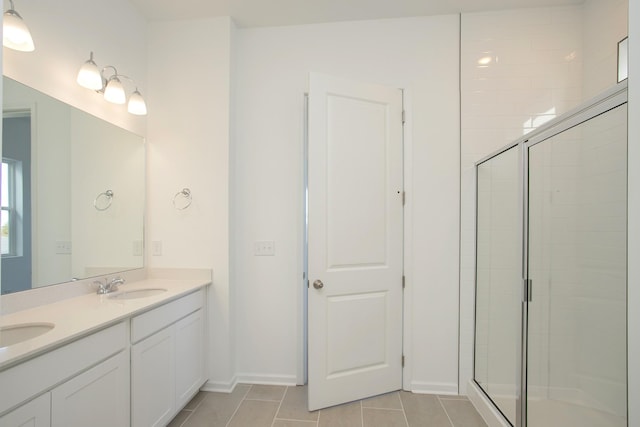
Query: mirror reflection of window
{"x":16,"y":273}
{"x":7,"y":208}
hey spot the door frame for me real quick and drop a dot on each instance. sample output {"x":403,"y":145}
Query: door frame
{"x":407,"y":327}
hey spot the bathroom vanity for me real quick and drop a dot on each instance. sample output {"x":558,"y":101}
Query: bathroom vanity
{"x":134,"y":357}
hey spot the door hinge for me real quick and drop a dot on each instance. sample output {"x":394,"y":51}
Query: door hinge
{"x":403,"y":117}
{"x":404,"y":198}
{"x":307,"y":283}
{"x":404,"y":284}
{"x":403,"y":360}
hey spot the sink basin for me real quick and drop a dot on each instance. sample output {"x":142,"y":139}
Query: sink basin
{"x":137,"y":293}
{"x":14,"y":334}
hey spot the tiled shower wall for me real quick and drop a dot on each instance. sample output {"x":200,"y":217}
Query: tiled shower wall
{"x":519,"y":69}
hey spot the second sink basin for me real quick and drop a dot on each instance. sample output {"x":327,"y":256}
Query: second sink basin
{"x":14,"y":334}
{"x":137,"y":293}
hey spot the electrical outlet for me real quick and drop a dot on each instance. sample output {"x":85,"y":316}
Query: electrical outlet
{"x":156,"y":248}
{"x":63,"y":247}
{"x":264,"y":248}
{"x":137,"y":248}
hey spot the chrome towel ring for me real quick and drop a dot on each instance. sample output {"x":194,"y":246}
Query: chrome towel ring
{"x":182,"y":200}
{"x":102,"y":202}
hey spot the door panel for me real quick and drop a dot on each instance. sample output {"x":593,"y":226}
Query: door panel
{"x":355,"y":240}
{"x":356,"y":231}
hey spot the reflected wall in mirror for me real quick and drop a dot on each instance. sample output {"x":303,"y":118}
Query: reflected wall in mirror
{"x":58,"y":221}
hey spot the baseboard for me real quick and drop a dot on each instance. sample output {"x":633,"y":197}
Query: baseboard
{"x":485,"y":407}
{"x":434,"y":388}
{"x":266,"y":379}
{"x":221,"y":387}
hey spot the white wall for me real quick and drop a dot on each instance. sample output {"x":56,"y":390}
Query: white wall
{"x":633,"y":279}
{"x":188,"y":147}
{"x":419,"y":55}
{"x":64,"y":33}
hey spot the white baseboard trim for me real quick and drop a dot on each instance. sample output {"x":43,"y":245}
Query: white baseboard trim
{"x":434,"y":388}
{"x":220,"y":386}
{"x":266,"y":379}
{"x":485,"y":408}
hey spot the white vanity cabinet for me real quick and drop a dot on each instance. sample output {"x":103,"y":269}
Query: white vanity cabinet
{"x":167,"y":359}
{"x":84,"y":383}
{"x":36,"y":413}
{"x":98,"y":397}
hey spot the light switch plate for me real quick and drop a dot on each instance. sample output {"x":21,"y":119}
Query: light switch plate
{"x":63,"y":247}
{"x":264,"y":248}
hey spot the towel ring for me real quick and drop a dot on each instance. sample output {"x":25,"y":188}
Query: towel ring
{"x":182,"y":200}
{"x":102,"y":202}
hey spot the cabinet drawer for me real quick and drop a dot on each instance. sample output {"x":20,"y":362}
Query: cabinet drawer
{"x":30,"y":378}
{"x":152,"y":321}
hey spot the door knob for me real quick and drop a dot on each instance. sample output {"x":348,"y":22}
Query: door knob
{"x":318,"y":284}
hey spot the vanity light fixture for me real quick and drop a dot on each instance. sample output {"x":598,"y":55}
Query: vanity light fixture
{"x":15,"y":34}
{"x":110,"y":86}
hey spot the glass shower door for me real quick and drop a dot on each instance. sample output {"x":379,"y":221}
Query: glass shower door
{"x":498,"y":278}
{"x":576,"y":352}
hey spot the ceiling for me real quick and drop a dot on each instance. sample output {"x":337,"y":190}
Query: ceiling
{"x":262,"y":13}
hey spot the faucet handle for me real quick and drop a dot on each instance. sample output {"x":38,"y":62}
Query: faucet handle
{"x":101,"y":287}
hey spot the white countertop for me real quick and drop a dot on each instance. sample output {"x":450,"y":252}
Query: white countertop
{"x":82,"y":315}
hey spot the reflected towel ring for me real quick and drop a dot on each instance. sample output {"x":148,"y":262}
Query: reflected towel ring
{"x":182,"y":200}
{"x":102,"y":202}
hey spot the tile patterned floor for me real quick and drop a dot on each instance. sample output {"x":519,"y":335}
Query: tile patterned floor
{"x":281,"y":406}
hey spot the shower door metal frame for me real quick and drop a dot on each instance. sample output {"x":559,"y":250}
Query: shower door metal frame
{"x":518,"y":146}
{"x":608,"y":100}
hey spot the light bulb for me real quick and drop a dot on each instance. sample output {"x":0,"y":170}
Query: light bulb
{"x":89,"y":75}
{"x":15,"y":34}
{"x":136,"y":104}
{"x":114,"y":92}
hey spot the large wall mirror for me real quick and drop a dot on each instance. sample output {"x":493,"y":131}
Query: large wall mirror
{"x":73,"y":193}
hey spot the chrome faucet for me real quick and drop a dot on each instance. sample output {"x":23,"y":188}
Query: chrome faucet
{"x":108,"y":286}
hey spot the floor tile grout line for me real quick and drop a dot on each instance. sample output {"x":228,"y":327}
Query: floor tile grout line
{"x":361,"y":414}
{"x":406,"y":420}
{"x":188,"y":416}
{"x":263,"y":400}
{"x":238,"y":407}
{"x":381,"y":409}
{"x":445,"y":411}
{"x":286,"y":390}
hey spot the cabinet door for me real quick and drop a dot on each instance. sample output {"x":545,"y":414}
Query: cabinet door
{"x":98,"y":397}
{"x":152,"y":385}
{"x":189,"y":342}
{"x":36,"y":413}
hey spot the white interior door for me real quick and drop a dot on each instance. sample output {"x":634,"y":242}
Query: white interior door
{"x":355,"y":240}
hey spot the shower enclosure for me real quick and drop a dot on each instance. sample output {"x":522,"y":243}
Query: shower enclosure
{"x":551,"y":271}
